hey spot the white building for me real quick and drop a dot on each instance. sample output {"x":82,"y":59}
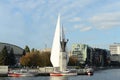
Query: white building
{"x":115,"y":48}
{"x":115,"y":52}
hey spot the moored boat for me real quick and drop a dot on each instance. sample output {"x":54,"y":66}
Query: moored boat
{"x":21,"y":73}
{"x":63,"y":74}
{"x":90,"y":71}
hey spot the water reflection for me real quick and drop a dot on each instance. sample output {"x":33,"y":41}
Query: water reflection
{"x":58,"y":78}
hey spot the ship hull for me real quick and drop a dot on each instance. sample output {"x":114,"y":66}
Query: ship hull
{"x":63,"y":74}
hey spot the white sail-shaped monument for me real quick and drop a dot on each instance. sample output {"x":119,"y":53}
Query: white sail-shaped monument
{"x":59,"y":56}
{"x":55,"y":51}
{"x":58,"y":48}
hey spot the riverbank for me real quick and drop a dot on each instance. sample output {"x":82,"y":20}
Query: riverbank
{"x":46,"y":71}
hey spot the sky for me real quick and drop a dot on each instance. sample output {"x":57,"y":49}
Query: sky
{"x":33,"y":22}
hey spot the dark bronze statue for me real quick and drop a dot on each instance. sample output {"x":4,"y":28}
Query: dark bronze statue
{"x":63,"y":45}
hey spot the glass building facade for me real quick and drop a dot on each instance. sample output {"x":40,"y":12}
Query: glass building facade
{"x":80,"y":52}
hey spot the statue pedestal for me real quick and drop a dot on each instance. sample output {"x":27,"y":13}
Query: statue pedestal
{"x":63,"y":61}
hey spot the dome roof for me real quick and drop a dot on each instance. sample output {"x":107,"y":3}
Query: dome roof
{"x":17,"y":50}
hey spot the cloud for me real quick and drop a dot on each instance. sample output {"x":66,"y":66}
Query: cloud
{"x":111,"y":6}
{"x":75,"y":19}
{"x":86,"y":28}
{"x":77,"y":26}
{"x":106,"y":20}
{"x":26,"y":5}
{"x":83,"y":28}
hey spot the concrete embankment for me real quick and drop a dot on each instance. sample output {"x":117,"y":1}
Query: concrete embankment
{"x":3,"y":71}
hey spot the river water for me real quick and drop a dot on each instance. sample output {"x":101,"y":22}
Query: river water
{"x":111,"y":74}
